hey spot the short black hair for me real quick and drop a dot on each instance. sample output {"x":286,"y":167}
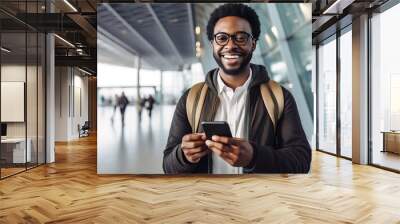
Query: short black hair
{"x":234,"y":9}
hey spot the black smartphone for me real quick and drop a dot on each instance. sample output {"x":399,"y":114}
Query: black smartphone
{"x":220,"y":128}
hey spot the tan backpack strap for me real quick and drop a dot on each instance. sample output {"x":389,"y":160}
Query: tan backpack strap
{"x":199,"y":107}
{"x":278,"y":93}
{"x":272,"y":96}
{"x":194,"y":104}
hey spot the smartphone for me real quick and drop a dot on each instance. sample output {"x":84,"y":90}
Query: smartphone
{"x":220,"y":128}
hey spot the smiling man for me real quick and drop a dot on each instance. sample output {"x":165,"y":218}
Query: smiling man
{"x":233,"y":93}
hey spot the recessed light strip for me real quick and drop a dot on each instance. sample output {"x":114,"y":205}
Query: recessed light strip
{"x":84,"y":71}
{"x":70,"y":5}
{"x":337,"y":7}
{"x":64,"y":40}
{"x":5,"y":50}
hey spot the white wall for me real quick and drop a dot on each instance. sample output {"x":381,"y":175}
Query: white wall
{"x":33,"y":126}
{"x":79,"y":117}
{"x":62,"y":81}
{"x":13,"y":73}
{"x":70,"y":83}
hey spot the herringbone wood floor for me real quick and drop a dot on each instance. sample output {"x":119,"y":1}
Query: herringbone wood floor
{"x":70,"y":191}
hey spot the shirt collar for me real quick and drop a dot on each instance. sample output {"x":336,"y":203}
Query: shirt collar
{"x":222,"y":86}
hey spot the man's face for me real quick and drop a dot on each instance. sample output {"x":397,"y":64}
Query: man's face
{"x":233,"y":58}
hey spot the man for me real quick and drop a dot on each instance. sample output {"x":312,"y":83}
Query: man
{"x":141,"y":104}
{"x":234,"y":89}
{"x":150,"y":105}
{"x":123,"y":103}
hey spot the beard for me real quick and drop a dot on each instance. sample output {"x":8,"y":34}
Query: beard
{"x":234,"y":71}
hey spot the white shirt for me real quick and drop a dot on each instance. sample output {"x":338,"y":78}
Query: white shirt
{"x":232,"y":109}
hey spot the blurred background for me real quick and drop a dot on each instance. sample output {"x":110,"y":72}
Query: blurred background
{"x":149,"y":54}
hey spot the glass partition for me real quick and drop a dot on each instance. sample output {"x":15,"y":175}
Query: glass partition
{"x":41,"y":97}
{"x":32,"y":93}
{"x":22,"y":90}
{"x":327,"y":96}
{"x":14,"y":154}
{"x":346,"y":93}
{"x":385,"y":89}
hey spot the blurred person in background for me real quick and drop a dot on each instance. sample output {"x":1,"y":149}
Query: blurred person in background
{"x":122,"y":104}
{"x":140,"y":106}
{"x":150,"y":104}
{"x":114,"y":103}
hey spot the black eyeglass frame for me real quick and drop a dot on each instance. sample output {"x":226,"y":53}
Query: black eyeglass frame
{"x":233,"y":38}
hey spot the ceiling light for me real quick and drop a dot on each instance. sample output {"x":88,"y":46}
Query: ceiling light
{"x":268,"y":40}
{"x":197,"y":43}
{"x":86,"y":72}
{"x":308,"y":67}
{"x":70,"y":5}
{"x":274,"y":31}
{"x":197,"y":30}
{"x":333,"y":6}
{"x":5,"y":50}
{"x":337,"y":7}
{"x":305,"y":8}
{"x":64,"y":40}
{"x":278,"y":67}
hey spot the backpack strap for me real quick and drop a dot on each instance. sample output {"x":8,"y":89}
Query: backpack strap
{"x":194,"y":104}
{"x":271,"y":92}
{"x":272,"y":95}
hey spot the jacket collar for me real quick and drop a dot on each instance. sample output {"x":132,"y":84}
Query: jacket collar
{"x":259,"y":76}
{"x":222,"y":86}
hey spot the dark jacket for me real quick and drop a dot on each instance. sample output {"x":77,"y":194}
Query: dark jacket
{"x":287,"y":151}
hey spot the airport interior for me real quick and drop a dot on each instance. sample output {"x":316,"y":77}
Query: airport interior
{"x":70,"y":153}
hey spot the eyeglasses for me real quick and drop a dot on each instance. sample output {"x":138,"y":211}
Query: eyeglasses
{"x":239,"y":38}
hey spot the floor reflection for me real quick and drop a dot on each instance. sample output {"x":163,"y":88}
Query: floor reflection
{"x":136,"y":147}
{"x":386,"y":159}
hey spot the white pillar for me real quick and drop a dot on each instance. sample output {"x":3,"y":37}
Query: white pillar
{"x":360,"y":90}
{"x":161,"y":87}
{"x":138,"y":78}
{"x":50,"y":99}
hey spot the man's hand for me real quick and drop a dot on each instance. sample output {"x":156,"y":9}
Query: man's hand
{"x":235,"y":151}
{"x":193,"y":147}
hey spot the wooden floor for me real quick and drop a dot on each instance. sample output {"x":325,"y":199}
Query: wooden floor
{"x":70,"y":191}
{"x":10,"y":171}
